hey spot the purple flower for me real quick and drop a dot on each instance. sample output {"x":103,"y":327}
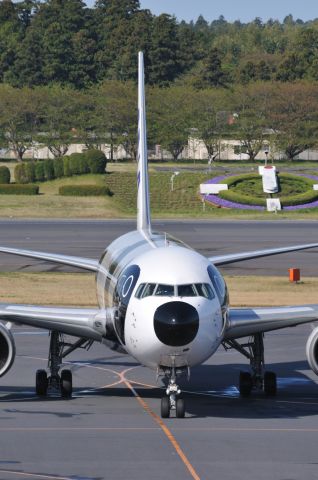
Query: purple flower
{"x":221,"y":202}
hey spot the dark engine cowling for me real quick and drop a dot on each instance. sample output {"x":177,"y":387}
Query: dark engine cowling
{"x":312,"y":350}
{"x":7,"y":350}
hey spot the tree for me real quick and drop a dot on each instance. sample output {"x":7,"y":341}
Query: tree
{"x":164,"y":52}
{"x":293,"y":117}
{"x":211,"y":115}
{"x":59,"y":114}
{"x":115,"y":120}
{"x":170,"y":118}
{"x":251,"y":105}
{"x":19,"y":119}
{"x":212,"y":74}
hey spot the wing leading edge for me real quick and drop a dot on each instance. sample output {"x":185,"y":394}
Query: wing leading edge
{"x":243,"y":322}
{"x":87,"y":323}
{"x":239,"y":257}
{"x":80,"y":262}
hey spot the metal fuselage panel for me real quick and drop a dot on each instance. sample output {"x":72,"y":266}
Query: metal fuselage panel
{"x":138,"y":257}
{"x":120,"y":253}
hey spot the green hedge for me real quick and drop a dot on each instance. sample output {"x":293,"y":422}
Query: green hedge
{"x":90,"y":161}
{"x":14,"y":189}
{"x":299,"y":199}
{"x":5,"y":176}
{"x":84,"y":190}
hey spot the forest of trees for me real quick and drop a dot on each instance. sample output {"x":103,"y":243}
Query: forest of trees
{"x":68,"y":75}
{"x":63,"y":41}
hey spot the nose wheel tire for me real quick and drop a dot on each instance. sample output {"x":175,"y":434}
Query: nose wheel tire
{"x":180,"y":408}
{"x":165,"y":407}
{"x":270,"y":384}
{"x":66,"y":384}
{"x":245,"y":384}
{"x":41,"y":383}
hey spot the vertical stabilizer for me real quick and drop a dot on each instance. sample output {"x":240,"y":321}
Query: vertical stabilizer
{"x":143,"y":206}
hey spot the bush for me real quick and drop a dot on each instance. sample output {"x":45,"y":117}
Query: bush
{"x":4,"y":175}
{"x":14,"y":189}
{"x":96,"y":161}
{"x":304,"y":197}
{"x":19,"y":173}
{"x":39,"y":172}
{"x":49,"y":169}
{"x":58,"y":167}
{"x":30,"y":172}
{"x":84,"y":190}
{"x":66,"y":167}
{"x":75,"y":165}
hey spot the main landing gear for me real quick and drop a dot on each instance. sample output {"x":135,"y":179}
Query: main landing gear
{"x":58,"y":382}
{"x":258,"y":379}
{"x":171,"y":401}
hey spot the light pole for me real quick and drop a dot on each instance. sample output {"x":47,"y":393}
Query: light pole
{"x":266,"y":155}
{"x":172,"y":179}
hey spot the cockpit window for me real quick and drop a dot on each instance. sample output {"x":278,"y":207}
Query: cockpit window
{"x":164,"y":290}
{"x":187,"y":291}
{"x":205,"y":290}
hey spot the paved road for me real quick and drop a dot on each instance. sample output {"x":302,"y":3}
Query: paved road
{"x":105,"y":432}
{"x":89,"y":238}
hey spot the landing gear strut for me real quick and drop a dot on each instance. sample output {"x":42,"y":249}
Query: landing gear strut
{"x":56,"y":382}
{"x":171,"y":401}
{"x":258,"y":379}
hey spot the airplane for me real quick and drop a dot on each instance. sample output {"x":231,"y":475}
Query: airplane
{"x":159,"y":301}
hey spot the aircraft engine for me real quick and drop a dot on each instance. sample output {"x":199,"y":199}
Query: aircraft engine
{"x":312,"y":350}
{"x":7,"y":349}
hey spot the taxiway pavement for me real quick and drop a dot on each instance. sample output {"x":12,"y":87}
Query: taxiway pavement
{"x":111,"y":429}
{"x":90,"y":238}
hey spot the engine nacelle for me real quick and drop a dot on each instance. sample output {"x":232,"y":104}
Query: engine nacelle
{"x":312,"y":350}
{"x":7,"y":349}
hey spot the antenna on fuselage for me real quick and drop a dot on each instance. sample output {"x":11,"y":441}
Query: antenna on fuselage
{"x":143,"y":204}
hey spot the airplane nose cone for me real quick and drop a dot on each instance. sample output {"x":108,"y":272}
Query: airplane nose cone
{"x":176,"y":323}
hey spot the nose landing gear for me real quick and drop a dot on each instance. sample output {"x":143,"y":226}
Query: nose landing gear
{"x":171,"y":401}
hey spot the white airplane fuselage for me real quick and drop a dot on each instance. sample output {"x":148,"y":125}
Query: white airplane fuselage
{"x":163,"y":328}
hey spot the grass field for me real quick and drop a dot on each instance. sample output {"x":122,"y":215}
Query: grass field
{"x":183,"y":202}
{"x":78,"y":289}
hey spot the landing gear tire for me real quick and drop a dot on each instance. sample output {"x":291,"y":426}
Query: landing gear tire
{"x":270,"y":384}
{"x":165,"y":407}
{"x":245,"y":384}
{"x":41,"y":383}
{"x":66,"y":384}
{"x":180,"y":408}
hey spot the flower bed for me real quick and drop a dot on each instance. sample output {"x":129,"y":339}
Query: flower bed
{"x":223,"y":203}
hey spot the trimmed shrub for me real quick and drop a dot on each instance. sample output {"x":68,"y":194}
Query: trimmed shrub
{"x":84,"y":190}
{"x":16,"y":189}
{"x":58,"y":167}
{"x":96,"y":161}
{"x":30,"y":172}
{"x":308,"y":196}
{"x":4,"y":175}
{"x":66,"y":167}
{"x":39,"y":172}
{"x":75,"y":166}
{"x":84,"y":168}
{"x":20,"y":173}
{"x":49,"y":169}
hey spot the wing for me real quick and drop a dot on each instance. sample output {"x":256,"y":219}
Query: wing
{"x":243,"y":322}
{"x":80,"y":262}
{"x":80,"y":322}
{"x":238,"y":257}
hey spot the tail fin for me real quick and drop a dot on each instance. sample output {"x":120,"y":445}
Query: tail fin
{"x":143,"y":204}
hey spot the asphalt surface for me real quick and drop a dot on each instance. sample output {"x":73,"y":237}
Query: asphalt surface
{"x":111,"y":429}
{"x":90,"y":238}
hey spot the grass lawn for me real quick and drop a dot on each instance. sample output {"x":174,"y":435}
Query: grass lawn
{"x":78,"y":289}
{"x":183,"y":202}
